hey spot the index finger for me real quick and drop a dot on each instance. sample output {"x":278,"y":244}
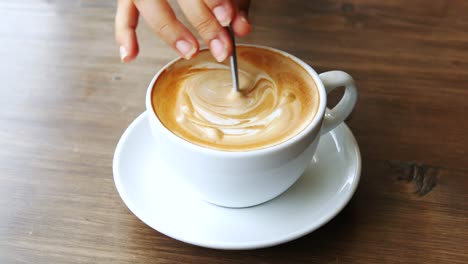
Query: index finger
{"x":163,"y":21}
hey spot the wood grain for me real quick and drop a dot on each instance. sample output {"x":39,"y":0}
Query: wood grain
{"x":65,"y":99}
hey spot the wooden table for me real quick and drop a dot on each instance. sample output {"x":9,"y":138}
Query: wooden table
{"x":65,"y":100}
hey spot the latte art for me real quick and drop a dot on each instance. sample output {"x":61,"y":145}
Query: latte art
{"x":195,"y":100}
{"x":208,"y":107}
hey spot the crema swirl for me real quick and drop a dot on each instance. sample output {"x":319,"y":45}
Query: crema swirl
{"x":195,"y":100}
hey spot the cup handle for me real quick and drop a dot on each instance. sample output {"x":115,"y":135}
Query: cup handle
{"x":331,"y":80}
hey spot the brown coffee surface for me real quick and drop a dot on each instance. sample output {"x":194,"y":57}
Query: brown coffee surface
{"x":195,"y":100}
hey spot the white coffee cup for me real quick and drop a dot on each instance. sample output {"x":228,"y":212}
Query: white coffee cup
{"x":248,"y":178}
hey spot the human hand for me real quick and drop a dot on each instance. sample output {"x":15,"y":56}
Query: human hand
{"x":209,"y":17}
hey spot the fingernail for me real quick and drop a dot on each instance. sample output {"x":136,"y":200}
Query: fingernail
{"x":218,"y":49}
{"x":123,"y":53}
{"x":185,"y":48}
{"x":221,"y":15}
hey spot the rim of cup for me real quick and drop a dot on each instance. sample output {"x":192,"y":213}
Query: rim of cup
{"x":316,"y":121}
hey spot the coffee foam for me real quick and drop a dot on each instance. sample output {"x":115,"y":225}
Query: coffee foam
{"x":195,"y":100}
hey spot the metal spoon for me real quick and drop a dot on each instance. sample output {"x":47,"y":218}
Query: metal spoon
{"x":234,"y":72}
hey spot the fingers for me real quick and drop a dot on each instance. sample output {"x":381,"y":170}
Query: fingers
{"x":209,"y":17}
{"x":240,"y":23}
{"x":162,"y":20}
{"x":205,"y":22}
{"x":126,"y":20}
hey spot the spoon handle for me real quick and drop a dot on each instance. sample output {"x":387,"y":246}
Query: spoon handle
{"x":234,"y":72}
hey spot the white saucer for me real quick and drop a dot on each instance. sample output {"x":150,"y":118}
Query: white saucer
{"x":157,"y":196}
